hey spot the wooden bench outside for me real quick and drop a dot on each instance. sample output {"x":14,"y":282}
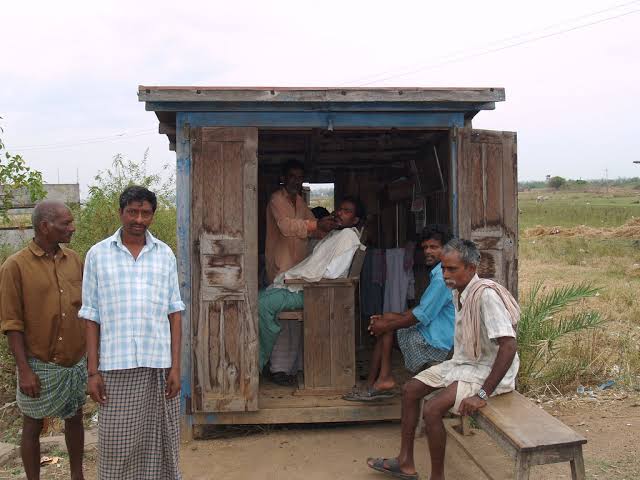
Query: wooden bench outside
{"x":527,"y":433}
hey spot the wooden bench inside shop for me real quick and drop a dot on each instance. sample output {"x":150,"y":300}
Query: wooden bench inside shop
{"x":329,"y":317}
{"x":527,"y":433}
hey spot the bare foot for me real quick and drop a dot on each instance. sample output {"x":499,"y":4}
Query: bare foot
{"x":383,"y":385}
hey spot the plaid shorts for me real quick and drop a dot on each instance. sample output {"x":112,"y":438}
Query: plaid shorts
{"x":417,"y":353}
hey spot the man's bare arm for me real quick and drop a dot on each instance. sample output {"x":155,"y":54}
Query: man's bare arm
{"x":175,"y":324}
{"x":95,"y":384}
{"x":504,"y":359}
{"x":93,"y":342}
{"x":173,"y":379}
{"x":390,"y":322}
{"x":29,"y":383}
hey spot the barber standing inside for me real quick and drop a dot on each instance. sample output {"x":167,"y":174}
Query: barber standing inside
{"x":290,"y":223}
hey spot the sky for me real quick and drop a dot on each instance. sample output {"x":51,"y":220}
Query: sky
{"x":69,"y":71}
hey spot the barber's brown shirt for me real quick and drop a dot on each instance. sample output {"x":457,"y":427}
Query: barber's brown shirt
{"x":40,"y":295}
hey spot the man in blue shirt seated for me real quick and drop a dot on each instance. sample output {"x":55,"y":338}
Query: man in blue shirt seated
{"x":424,"y":334}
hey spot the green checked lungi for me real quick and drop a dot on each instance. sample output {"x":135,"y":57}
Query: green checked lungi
{"x":62,"y":390}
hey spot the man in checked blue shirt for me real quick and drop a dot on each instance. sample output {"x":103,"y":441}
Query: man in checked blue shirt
{"x":131,"y":301}
{"x":424,"y":334}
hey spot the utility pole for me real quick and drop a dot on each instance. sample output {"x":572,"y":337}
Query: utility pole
{"x":606,"y":181}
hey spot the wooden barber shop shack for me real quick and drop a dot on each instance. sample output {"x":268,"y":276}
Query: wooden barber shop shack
{"x":413,"y":158}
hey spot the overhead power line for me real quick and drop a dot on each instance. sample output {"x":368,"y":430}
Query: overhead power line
{"x":85,"y":141}
{"x":460,"y":55}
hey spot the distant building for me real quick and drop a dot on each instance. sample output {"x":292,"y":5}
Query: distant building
{"x":17,"y":236}
{"x":68,"y":193}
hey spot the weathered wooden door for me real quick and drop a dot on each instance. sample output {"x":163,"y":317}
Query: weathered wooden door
{"x":225,"y":264}
{"x":487,"y":189}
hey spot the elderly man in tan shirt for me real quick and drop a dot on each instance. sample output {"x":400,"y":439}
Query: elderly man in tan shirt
{"x":40,"y":295}
{"x":289,"y":224}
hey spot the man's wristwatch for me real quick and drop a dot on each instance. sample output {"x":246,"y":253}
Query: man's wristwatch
{"x":482,"y":394}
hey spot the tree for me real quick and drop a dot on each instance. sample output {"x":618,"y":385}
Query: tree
{"x":556,"y":182}
{"x":98,"y":217}
{"x":17,"y":177}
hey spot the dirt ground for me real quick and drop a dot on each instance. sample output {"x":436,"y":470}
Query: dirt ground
{"x":610,"y":422}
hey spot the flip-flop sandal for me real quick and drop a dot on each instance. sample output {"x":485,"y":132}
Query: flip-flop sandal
{"x":392,"y":468}
{"x":369,"y":395}
{"x":282,"y":379}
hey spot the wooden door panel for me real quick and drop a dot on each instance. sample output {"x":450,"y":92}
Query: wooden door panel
{"x":487,"y":200}
{"x":225,"y":277}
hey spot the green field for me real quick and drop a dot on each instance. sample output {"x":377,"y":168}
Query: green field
{"x":602,"y":259}
{"x":594,"y":209}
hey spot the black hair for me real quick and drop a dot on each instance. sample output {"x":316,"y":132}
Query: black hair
{"x":435,"y":232}
{"x":361,"y":211}
{"x":136,"y":193}
{"x":320,"y":212}
{"x":291,"y":165}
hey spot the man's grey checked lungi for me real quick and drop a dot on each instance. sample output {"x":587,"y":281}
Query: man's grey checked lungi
{"x":138,"y":429}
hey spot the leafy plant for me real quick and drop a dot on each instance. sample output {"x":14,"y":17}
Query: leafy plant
{"x":99,"y":216}
{"x":544,"y":326}
{"x":556,"y":182}
{"x":15,"y":178}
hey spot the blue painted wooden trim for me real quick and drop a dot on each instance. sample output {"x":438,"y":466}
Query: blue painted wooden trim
{"x":467,"y":107}
{"x":327,"y":120}
{"x":183,"y":204}
{"x":453,"y":146}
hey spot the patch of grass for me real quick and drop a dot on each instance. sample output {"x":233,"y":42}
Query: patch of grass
{"x":6,"y":251}
{"x":609,"y":353}
{"x":576,"y":208}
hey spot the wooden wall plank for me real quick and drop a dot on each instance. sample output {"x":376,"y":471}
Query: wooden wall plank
{"x":211,"y":330}
{"x":250,"y":373}
{"x":317,"y":314}
{"x":314,"y":119}
{"x":493,"y":159}
{"x":198,"y":314}
{"x":213,"y":191}
{"x":343,"y":352}
{"x":232,"y":366}
{"x":184,"y":169}
{"x":233,"y":188}
{"x":297,"y":94}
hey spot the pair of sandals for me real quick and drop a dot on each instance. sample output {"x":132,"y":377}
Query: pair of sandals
{"x":368,"y":395}
{"x":391,"y":467}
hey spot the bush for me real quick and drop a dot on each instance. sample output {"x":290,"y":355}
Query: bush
{"x":16,"y":178}
{"x":542,"y":330}
{"x":99,"y":217}
{"x":556,"y":182}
